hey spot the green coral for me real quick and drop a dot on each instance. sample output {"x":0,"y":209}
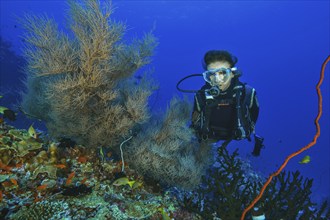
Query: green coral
{"x":49,"y":169}
{"x":15,"y":144}
{"x":45,"y":210}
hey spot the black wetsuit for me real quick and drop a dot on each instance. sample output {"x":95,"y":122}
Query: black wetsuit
{"x":222,"y":113}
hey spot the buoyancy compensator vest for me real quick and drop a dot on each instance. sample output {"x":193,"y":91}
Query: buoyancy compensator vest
{"x":226,"y":116}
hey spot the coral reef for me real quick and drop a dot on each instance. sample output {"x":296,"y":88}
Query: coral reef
{"x":171,"y":155}
{"x":75,"y":183}
{"x":290,"y":194}
{"x":224,"y":191}
{"x":81,"y":85}
{"x":42,"y":210}
{"x":16,"y":144}
{"x":229,"y":187}
{"x":53,"y":182}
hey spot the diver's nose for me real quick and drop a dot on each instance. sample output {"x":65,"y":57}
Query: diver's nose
{"x":218,"y":78}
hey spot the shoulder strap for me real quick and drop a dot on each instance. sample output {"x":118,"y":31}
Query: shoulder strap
{"x":249,"y":95}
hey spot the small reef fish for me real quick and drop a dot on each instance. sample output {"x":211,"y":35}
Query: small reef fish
{"x":10,"y":184}
{"x":83,"y":181}
{"x":32,"y":132}
{"x":1,"y":196}
{"x":38,"y":198}
{"x":102,"y":154}
{"x":164,"y":213}
{"x":137,"y":185}
{"x":2,"y":109}
{"x":305,"y":160}
{"x":123,"y":181}
{"x":5,"y":167}
{"x":6,"y":184}
{"x":42,"y":187}
{"x":7,"y":113}
{"x":82,"y":159}
{"x":19,"y":165}
{"x":14,"y":182}
{"x":70,"y":178}
{"x":10,"y":114}
{"x":60,"y":166}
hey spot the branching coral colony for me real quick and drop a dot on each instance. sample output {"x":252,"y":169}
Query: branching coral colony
{"x":81,"y":85}
{"x":229,"y":188}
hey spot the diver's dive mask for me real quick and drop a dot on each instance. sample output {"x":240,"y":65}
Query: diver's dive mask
{"x":219,"y":76}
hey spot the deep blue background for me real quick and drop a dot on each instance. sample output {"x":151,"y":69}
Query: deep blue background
{"x":280,"y":45}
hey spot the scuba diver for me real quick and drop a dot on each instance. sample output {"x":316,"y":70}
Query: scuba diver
{"x":224,"y":108}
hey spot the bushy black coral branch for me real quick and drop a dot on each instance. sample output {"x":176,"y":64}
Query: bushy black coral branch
{"x":289,"y":197}
{"x":227,"y":189}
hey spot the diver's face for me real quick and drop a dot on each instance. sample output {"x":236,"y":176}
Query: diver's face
{"x":220,"y":79}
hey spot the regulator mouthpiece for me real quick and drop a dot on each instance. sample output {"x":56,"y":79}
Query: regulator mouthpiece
{"x":213,"y":91}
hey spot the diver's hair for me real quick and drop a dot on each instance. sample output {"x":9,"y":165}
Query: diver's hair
{"x":219,"y":55}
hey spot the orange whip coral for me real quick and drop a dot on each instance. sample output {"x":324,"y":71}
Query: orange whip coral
{"x":316,"y":136}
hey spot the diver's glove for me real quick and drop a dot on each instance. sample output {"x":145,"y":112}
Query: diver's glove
{"x":258,"y":144}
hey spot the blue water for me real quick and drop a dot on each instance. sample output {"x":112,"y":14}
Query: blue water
{"x":280,"y":46}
